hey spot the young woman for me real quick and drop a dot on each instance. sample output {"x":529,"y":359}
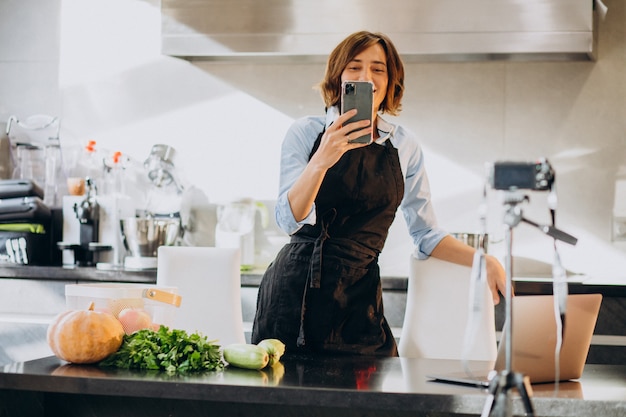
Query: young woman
{"x":337,"y":201}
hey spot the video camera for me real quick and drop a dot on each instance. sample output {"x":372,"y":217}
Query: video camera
{"x":538,"y":176}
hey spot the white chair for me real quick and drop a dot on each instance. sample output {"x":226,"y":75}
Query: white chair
{"x":436,"y":314}
{"x":209,"y":282}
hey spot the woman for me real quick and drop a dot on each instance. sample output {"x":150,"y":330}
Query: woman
{"x":337,"y":200}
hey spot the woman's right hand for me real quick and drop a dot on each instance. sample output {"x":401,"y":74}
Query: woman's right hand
{"x":334,"y":143}
{"x":336,"y":139}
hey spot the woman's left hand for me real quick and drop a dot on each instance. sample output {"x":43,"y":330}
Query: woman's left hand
{"x":496,"y":278}
{"x":453,"y":250}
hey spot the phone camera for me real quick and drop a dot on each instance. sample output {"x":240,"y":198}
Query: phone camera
{"x":350,"y":88}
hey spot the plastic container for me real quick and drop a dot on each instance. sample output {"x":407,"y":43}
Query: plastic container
{"x":161,"y":303}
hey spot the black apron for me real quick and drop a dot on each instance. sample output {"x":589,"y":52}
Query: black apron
{"x":322,"y":293}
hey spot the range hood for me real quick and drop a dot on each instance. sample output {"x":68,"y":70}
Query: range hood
{"x":423,"y":30}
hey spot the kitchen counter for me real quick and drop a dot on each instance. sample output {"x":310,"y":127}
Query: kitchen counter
{"x":33,"y":295}
{"x":74,"y":273}
{"x":248,"y":278}
{"x":303,"y":386}
{"x":523,"y":285}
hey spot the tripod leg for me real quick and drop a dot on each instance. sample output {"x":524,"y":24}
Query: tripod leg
{"x":525,"y":391}
{"x":497,"y":402}
{"x":494,"y":391}
{"x":503,"y":406}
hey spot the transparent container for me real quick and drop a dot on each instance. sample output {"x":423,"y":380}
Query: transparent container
{"x":81,"y":164}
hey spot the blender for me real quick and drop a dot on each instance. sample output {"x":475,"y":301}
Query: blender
{"x":36,"y":154}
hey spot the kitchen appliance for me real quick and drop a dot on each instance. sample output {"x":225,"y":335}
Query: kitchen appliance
{"x":111,"y":210}
{"x":160,"y":165}
{"x":426,"y":30}
{"x":142,"y":236}
{"x":158,"y":221}
{"x":36,"y":154}
{"x":165,"y":189}
{"x":235,"y":228}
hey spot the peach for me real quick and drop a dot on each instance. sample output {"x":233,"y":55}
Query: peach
{"x":134,"y":319}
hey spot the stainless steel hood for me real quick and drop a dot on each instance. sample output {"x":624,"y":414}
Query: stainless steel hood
{"x":423,"y":30}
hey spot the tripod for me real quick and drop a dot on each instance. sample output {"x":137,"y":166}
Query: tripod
{"x":499,"y":401}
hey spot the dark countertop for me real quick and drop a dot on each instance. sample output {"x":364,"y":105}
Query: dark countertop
{"x":73,"y":273}
{"x":334,"y":385}
{"x":253,"y":278}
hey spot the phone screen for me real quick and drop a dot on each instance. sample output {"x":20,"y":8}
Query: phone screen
{"x":358,"y":95}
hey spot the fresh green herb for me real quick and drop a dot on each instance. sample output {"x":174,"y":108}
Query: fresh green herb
{"x":173,"y":351}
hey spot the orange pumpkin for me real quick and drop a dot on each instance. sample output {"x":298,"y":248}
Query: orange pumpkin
{"x":84,"y":336}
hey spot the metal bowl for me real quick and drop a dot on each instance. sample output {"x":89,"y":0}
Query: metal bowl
{"x":143,"y":236}
{"x":472,"y":239}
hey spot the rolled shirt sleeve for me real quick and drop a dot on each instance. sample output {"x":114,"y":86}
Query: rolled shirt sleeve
{"x":295,"y":151}
{"x":416,"y":205}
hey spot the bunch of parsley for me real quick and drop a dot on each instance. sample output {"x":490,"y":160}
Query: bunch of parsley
{"x":173,"y":351}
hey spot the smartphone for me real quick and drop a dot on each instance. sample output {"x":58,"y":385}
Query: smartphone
{"x":358,"y":95}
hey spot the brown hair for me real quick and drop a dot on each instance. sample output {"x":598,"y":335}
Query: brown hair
{"x":345,"y":52}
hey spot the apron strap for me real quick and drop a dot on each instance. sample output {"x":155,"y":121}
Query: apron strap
{"x":314,"y":275}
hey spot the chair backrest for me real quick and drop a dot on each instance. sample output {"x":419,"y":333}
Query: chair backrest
{"x":209,"y":282}
{"x":437,"y":311}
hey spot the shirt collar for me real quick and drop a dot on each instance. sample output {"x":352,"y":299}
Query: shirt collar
{"x":385,"y":129}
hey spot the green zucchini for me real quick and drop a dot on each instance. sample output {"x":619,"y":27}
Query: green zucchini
{"x":248,"y":356}
{"x":274,"y":347}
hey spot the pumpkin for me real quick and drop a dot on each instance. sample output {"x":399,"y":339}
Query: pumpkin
{"x":84,"y":336}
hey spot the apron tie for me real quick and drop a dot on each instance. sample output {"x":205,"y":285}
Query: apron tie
{"x":314,"y":276}
{"x":315,"y":268}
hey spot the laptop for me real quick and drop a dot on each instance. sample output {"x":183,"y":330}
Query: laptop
{"x":534,"y":341}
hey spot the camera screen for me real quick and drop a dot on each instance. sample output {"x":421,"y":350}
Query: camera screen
{"x":522,"y":175}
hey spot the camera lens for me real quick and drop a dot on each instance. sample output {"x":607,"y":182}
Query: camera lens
{"x":349,"y":88}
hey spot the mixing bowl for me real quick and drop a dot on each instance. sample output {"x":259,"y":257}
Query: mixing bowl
{"x":143,"y":236}
{"x":472,"y":239}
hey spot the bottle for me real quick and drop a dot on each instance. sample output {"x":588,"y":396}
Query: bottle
{"x":88,"y":165}
{"x":54,"y":179}
{"x":113,"y":175}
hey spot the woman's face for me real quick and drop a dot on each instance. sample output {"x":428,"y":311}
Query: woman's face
{"x":370,"y":65}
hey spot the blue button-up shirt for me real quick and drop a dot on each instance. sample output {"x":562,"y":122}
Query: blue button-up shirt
{"x":416,"y":204}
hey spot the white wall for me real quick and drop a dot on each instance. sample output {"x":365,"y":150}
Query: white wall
{"x":97,"y":64}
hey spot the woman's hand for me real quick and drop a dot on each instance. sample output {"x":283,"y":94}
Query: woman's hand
{"x":453,"y":250}
{"x":336,"y":140}
{"x":334,"y":143}
{"x":496,"y":277}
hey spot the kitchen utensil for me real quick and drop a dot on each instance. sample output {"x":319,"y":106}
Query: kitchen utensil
{"x":143,"y":236}
{"x":472,"y":239}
